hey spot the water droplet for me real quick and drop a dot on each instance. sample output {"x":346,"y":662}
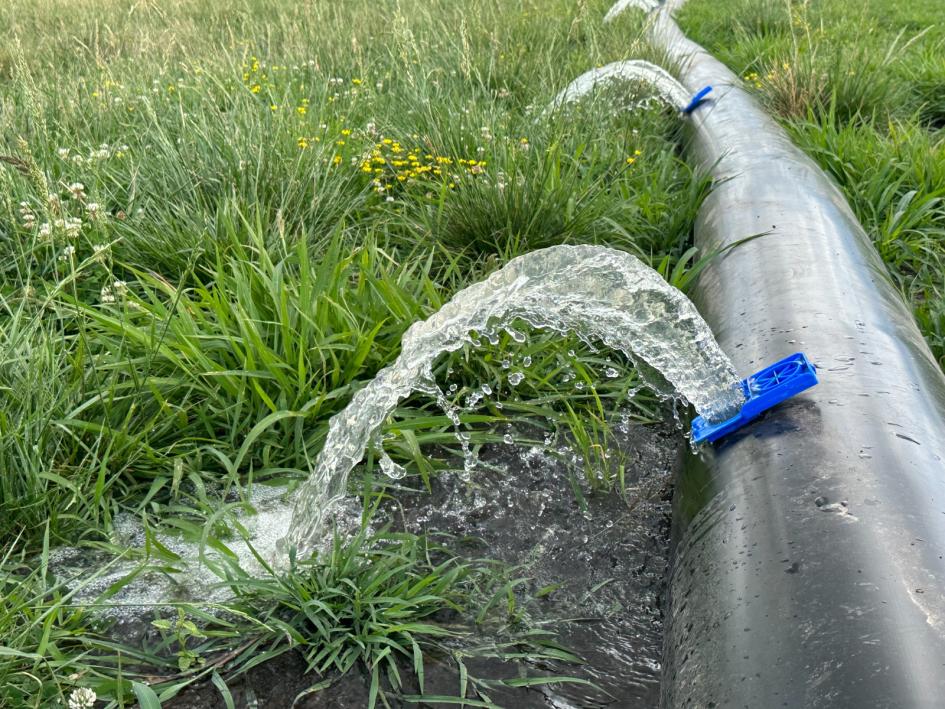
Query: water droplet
{"x":487,"y":390}
{"x":506,"y":364}
{"x":390,"y":468}
{"x":579,"y":386}
{"x":508,"y":438}
{"x":515,"y":335}
{"x":611,"y":373}
{"x":515,"y":378}
{"x":527,"y":361}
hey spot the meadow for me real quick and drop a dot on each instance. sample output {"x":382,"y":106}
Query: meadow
{"x":217,"y":220}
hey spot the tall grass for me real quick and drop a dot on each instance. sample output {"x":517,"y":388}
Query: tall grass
{"x":857,"y":84}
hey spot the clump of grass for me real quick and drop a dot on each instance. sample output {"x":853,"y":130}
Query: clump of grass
{"x":384,"y":604}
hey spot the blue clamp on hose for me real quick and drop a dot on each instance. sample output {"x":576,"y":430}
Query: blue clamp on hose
{"x":697,"y":100}
{"x":763,"y":390}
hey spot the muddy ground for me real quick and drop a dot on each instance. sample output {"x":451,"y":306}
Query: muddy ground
{"x":609,"y":558}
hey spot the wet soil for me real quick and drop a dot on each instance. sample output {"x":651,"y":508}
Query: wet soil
{"x":606,"y":557}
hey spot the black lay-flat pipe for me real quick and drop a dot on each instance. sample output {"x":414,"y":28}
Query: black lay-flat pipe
{"x":809,"y":565}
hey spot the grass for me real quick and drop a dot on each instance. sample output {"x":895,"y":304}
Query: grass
{"x":378,"y":603}
{"x":216,"y":224}
{"x":859,"y":86}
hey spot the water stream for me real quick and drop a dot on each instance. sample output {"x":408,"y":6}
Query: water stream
{"x":667,"y":87}
{"x":602,"y":295}
{"x":621,"y":5}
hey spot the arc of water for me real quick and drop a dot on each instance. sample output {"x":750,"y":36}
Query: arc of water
{"x":600,"y":294}
{"x":668,"y":88}
{"x":621,"y":5}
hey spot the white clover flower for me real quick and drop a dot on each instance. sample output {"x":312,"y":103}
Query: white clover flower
{"x":67,"y":253}
{"x":54,"y":201}
{"x":45,"y":230}
{"x":120,"y":288}
{"x":77,"y":190}
{"x":106,"y":296}
{"x":99,"y":251}
{"x":72,"y":226}
{"x":93,"y":208}
{"x":62,"y":152}
{"x":82,"y":698}
{"x":26,"y":213}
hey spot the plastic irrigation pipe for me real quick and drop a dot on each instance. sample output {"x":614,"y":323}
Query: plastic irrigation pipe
{"x":809,"y":566}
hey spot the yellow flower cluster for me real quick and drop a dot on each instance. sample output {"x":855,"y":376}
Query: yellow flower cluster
{"x":756,"y":80}
{"x":254,"y":77}
{"x":389,"y":164}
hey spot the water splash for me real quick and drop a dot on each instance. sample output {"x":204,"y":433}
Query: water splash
{"x":621,"y":5}
{"x":599,"y":294}
{"x":666,"y":86}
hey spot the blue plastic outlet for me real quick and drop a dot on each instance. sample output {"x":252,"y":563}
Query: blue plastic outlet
{"x":764,"y":389}
{"x":697,"y":100}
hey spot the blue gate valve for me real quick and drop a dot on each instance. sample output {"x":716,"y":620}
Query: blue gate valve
{"x":764,"y":389}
